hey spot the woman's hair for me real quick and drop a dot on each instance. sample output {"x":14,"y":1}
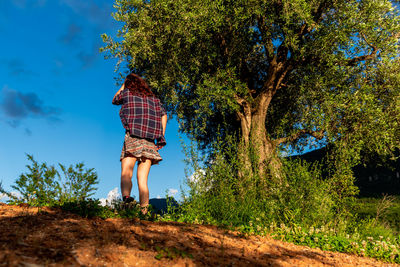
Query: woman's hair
{"x":137,"y":85}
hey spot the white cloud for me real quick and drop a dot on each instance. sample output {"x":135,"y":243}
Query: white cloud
{"x":112,"y":196}
{"x":172,"y":192}
{"x":158,"y":197}
{"x":16,"y":194}
{"x":197,"y":175}
{"x":199,"y":181}
{"x":4,"y":197}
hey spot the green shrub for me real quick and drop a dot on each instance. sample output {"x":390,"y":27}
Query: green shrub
{"x":304,"y":208}
{"x":217,"y":195}
{"x":89,"y":208}
{"x":384,"y":211}
{"x":305,"y":197}
{"x":380,"y":247}
{"x":43,"y":185}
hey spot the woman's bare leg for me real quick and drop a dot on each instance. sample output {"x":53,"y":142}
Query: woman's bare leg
{"x":142,"y":176}
{"x":127,"y":165}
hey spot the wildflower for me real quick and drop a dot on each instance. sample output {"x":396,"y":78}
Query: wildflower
{"x":364,"y":243}
{"x":316,"y":239}
{"x":311,"y":229}
{"x":348,"y":236}
{"x":370,"y":238}
{"x":380,"y":237}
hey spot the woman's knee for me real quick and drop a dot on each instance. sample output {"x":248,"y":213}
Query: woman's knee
{"x":127,"y":165}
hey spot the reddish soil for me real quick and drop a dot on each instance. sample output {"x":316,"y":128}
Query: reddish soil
{"x":48,"y":237}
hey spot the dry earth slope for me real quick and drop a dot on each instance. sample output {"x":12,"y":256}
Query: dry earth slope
{"x":54,"y":238}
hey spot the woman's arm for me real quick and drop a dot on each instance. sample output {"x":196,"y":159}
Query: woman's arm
{"x":117,"y":100}
{"x":164,"y":126}
{"x":119,"y":91}
{"x":164,"y":123}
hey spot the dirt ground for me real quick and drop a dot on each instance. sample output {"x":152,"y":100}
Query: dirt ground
{"x":54,"y":238}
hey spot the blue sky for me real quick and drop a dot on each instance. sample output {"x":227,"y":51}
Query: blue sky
{"x":56,"y":91}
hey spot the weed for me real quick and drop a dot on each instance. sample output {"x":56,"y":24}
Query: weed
{"x":171,"y":253}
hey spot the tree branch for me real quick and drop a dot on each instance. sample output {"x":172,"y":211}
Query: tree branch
{"x":241,"y":101}
{"x":353,"y":61}
{"x":317,"y":134}
{"x":267,"y":42}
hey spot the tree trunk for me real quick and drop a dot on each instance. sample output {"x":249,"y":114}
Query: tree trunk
{"x":266,"y":158}
{"x":257,"y":151}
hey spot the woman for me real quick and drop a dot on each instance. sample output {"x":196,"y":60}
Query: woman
{"x":144,"y":120}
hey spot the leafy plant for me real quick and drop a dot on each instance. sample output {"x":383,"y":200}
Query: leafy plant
{"x":303,"y":209}
{"x":171,"y":253}
{"x":42,"y":185}
{"x":77,"y":182}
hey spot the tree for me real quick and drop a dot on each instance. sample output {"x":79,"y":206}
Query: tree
{"x":282,"y":73}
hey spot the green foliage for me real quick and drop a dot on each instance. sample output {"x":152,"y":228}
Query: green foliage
{"x":89,"y":208}
{"x":355,"y":241}
{"x":171,"y":253}
{"x":382,"y":212}
{"x":303,"y":209}
{"x":329,"y":67}
{"x":305,"y":197}
{"x":43,"y":185}
{"x":78,"y":183}
{"x":217,"y":196}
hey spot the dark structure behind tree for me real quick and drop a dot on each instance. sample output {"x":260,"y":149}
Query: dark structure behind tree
{"x":374,"y":178}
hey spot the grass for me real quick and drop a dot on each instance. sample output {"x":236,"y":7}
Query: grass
{"x":385,"y":249}
{"x":384,"y":209}
{"x":372,"y":230}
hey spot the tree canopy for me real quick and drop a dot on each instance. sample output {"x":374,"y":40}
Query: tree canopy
{"x":277,"y":72}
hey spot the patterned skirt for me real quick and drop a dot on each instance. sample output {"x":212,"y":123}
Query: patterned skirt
{"x":140,"y":148}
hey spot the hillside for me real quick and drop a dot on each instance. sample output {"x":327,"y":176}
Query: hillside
{"x":50,"y":237}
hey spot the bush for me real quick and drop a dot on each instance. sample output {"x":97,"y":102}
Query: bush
{"x":89,"y":208}
{"x":43,"y":185}
{"x":305,"y":198}
{"x":304,"y":208}
{"x":384,"y":211}
{"x":217,"y":195}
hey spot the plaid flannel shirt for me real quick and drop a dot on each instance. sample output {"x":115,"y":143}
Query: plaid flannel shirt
{"x":141,"y":116}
